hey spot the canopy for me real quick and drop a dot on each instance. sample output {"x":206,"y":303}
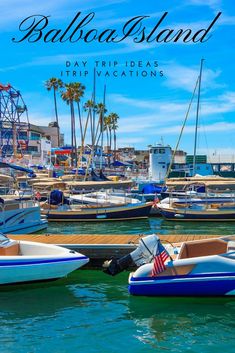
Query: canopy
{"x":16,"y":167}
{"x":120,"y":164}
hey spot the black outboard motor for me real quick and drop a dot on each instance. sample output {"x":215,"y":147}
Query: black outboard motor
{"x":115,"y":266}
{"x":94,"y":176}
{"x":142,"y":255}
{"x":103,"y":177}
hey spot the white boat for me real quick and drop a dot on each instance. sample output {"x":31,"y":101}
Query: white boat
{"x":199,"y":189}
{"x":25,"y":261}
{"x":20,"y":216}
{"x":201,"y":268}
{"x":102,"y":197}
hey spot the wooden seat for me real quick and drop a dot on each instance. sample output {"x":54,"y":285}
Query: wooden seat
{"x":177,"y":270}
{"x":12,"y":250}
{"x":202,"y":248}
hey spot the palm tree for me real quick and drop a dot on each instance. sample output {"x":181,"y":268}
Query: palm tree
{"x":78,"y":93}
{"x":55,"y":83}
{"x":69,"y":97}
{"x":100,"y":110}
{"x":90,"y":106}
{"x":106,"y":128}
{"x":114,"y":123}
{"x":113,"y":119}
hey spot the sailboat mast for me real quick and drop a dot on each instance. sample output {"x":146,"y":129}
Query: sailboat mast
{"x":93,"y":121}
{"x":102,"y":130}
{"x":197,"y":117}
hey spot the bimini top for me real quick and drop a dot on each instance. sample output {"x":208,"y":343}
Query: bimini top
{"x":210,"y":183}
{"x":16,"y":167}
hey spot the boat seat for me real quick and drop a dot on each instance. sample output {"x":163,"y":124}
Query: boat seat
{"x":231,"y":246}
{"x":177,"y":270}
{"x":202,"y":248}
{"x":11,"y":250}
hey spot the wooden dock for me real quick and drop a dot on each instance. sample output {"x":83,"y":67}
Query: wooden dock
{"x":103,"y":247}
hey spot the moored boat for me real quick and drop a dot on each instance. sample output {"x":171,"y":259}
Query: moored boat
{"x":20,"y":216}
{"x":61,"y":209}
{"x":201,"y":268}
{"x":198,"y":212}
{"x":79,"y":213}
{"x":25,"y":261}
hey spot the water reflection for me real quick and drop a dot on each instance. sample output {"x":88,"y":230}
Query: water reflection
{"x":183,"y":321}
{"x":142,"y":226}
{"x":92,"y":312}
{"x":159,"y":225}
{"x":114,"y":227}
{"x":37,"y":300}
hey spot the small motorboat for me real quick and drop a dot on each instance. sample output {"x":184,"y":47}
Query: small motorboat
{"x":216,"y":212}
{"x":200,"y":268}
{"x":18,"y":216}
{"x":60,"y":209}
{"x":19,"y":213}
{"x":25,"y":261}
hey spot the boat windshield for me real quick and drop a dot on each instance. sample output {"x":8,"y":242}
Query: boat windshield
{"x":3,"y":239}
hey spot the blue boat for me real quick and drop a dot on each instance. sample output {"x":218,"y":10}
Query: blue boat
{"x":201,"y":268}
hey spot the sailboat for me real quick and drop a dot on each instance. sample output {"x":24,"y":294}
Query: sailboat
{"x":193,"y":205}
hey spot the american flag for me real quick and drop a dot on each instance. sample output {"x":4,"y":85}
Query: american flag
{"x":159,"y":260}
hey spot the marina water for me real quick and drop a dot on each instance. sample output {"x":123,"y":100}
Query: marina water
{"x":92,"y":312}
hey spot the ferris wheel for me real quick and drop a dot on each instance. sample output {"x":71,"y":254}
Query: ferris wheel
{"x":14,"y":122}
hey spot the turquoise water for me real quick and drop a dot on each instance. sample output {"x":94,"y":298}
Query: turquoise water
{"x":143,"y":226}
{"x":93,"y":313}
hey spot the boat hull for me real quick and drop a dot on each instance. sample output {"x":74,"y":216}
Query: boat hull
{"x":100,"y":214}
{"x":22,"y":220}
{"x":23,"y":229}
{"x":190,"y":215}
{"x":194,"y":285}
{"x":38,"y":267}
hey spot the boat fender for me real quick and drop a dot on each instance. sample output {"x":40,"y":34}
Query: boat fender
{"x":155,"y":203}
{"x":38,"y":196}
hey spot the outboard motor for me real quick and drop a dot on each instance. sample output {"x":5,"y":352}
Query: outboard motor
{"x":57,"y":198}
{"x":142,"y":255}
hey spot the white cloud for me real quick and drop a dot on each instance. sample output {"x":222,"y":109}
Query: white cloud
{"x":130,"y":141}
{"x":216,"y":127}
{"x":213,"y":4}
{"x":183,"y":77}
{"x":125,"y":48}
{"x":152,"y":105}
{"x":171,"y":111}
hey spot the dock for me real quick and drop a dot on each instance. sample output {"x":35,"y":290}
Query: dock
{"x":103,"y":247}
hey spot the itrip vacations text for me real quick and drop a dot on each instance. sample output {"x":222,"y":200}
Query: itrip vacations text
{"x":39,"y":28}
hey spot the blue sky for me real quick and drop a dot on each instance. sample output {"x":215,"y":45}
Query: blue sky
{"x":149,"y":108}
